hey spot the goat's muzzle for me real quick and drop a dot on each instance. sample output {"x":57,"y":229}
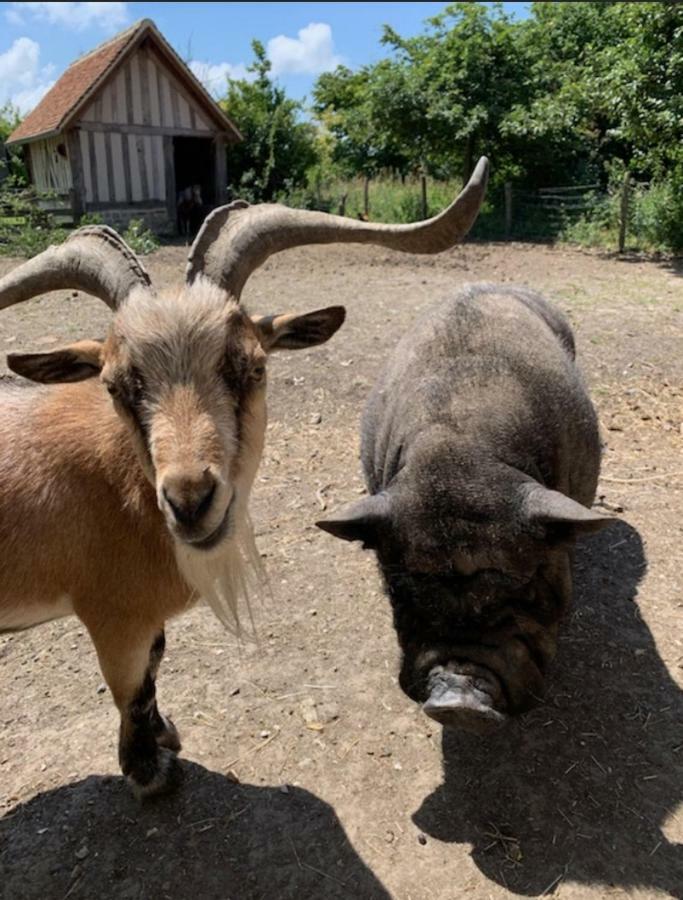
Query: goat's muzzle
{"x":197,"y":506}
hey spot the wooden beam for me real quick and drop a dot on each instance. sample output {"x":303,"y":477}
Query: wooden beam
{"x":169,"y":177}
{"x":221,"y":173}
{"x":143,"y":63}
{"x":109,"y":157}
{"x":93,"y":168}
{"x":142,"y":164}
{"x":129,"y":92}
{"x":73,"y":146}
{"x":127,"y":177}
{"x":146,"y":129}
{"x":136,"y":204}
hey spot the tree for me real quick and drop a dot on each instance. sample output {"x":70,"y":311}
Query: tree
{"x":11,"y":162}
{"x":348,"y":105}
{"x":605,"y":85}
{"x":278,"y":148}
{"x":460,"y":79}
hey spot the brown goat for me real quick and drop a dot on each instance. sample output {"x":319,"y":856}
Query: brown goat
{"x":124,"y":497}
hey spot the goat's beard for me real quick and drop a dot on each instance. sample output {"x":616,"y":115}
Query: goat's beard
{"x":226,"y":577}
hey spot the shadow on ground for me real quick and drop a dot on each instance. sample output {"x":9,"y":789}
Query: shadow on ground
{"x":212,"y":839}
{"x":579,"y":789}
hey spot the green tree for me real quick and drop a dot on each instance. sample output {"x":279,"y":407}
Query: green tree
{"x":278,"y":148}
{"x":11,"y":162}
{"x":460,"y":78}
{"x":348,"y":106}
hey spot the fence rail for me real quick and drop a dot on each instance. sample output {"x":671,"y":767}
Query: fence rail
{"x":21,"y":203}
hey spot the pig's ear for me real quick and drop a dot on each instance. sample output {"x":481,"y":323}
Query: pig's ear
{"x":553,"y":508}
{"x":359,"y":521}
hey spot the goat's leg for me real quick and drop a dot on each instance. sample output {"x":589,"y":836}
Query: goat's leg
{"x":129,"y":657}
{"x":165,"y":732}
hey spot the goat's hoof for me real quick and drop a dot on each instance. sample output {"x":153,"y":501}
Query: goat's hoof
{"x":159,"y":775}
{"x":168,"y":737}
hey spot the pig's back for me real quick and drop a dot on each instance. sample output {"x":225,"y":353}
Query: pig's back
{"x":493,"y":366}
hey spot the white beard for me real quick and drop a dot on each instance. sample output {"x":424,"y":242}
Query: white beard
{"x":226,"y":577}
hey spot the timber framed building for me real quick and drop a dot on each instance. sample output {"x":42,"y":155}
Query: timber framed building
{"x":124,"y":131}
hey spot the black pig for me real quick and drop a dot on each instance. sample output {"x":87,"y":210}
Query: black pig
{"x":481,"y":454}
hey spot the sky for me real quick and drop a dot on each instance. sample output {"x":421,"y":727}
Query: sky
{"x":39,"y":40}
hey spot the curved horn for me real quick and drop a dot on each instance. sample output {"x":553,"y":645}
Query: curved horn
{"x":94,"y":259}
{"x":236,"y":239}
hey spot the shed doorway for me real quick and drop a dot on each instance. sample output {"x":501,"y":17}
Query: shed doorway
{"x":194,"y":161}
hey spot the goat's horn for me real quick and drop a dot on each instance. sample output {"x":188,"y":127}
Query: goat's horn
{"x":237,"y":238}
{"x":94,"y":259}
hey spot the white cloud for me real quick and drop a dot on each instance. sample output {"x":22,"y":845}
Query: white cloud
{"x":23,"y":81}
{"x":75,"y":16}
{"x":311,"y":53}
{"x":214,"y":76}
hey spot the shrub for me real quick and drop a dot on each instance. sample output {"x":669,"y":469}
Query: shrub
{"x":139,"y":238}
{"x":25,"y":228}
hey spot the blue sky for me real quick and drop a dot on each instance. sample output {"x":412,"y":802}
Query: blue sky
{"x":39,"y":40}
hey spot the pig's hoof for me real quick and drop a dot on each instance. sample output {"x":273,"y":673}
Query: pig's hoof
{"x":462,"y":701}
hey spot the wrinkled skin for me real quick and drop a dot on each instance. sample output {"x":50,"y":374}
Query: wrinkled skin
{"x":481,"y":454}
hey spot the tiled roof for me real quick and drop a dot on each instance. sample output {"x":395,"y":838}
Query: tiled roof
{"x":83,"y":77}
{"x":78,"y":80}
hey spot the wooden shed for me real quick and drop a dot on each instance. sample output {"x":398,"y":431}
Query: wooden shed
{"x":126,"y":129}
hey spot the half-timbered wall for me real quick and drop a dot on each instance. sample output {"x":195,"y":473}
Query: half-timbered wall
{"x":50,"y":166}
{"x":122,"y":131}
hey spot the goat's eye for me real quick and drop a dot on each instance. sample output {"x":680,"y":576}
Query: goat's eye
{"x":258,"y":373}
{"x":112,"y":389}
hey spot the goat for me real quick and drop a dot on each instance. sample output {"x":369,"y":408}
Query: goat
{"x":131,"y":471}
{"x":189,"y":208}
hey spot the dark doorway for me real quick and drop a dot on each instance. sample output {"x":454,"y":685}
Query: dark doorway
{"x":194,"y":160}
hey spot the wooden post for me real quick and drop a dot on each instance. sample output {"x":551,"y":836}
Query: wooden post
{"x":73,"y":148}
{"x":366,"y":196}
{"x":169,"y":181}
{"x":623,"y":218}
{"x":342,"y":204}
{"x":508,"y":210}
{"x":221,"y":171}
{"x":423,"y":193}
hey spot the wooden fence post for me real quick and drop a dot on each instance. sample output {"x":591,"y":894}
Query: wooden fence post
{"x":508,"y":210}
{"x":423,"y":190}
{"x":625,"y":198}
{"x":342,"y":204}
{"x":366,"y":196}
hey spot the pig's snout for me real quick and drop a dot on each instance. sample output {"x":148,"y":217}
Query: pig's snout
{"x":465,"y":696}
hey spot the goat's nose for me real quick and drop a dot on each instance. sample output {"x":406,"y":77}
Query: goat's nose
{"x":189,"y":497}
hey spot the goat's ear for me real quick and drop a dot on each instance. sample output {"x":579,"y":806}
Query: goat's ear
{"x":74,"y":363}
{"x":296,"y":332}
{"x":360,"y":521}
{"x":552,"y":508}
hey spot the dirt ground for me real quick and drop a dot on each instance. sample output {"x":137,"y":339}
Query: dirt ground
{"x":308,"y":773}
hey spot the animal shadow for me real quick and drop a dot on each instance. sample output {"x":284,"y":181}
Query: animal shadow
{"x":212,"y":840}
{"x":583,"y":787}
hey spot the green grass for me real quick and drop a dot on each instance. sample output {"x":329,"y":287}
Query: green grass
{"x":390,"y":199}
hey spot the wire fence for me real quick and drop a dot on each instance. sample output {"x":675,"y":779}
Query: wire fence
{"x":545,"y":212}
